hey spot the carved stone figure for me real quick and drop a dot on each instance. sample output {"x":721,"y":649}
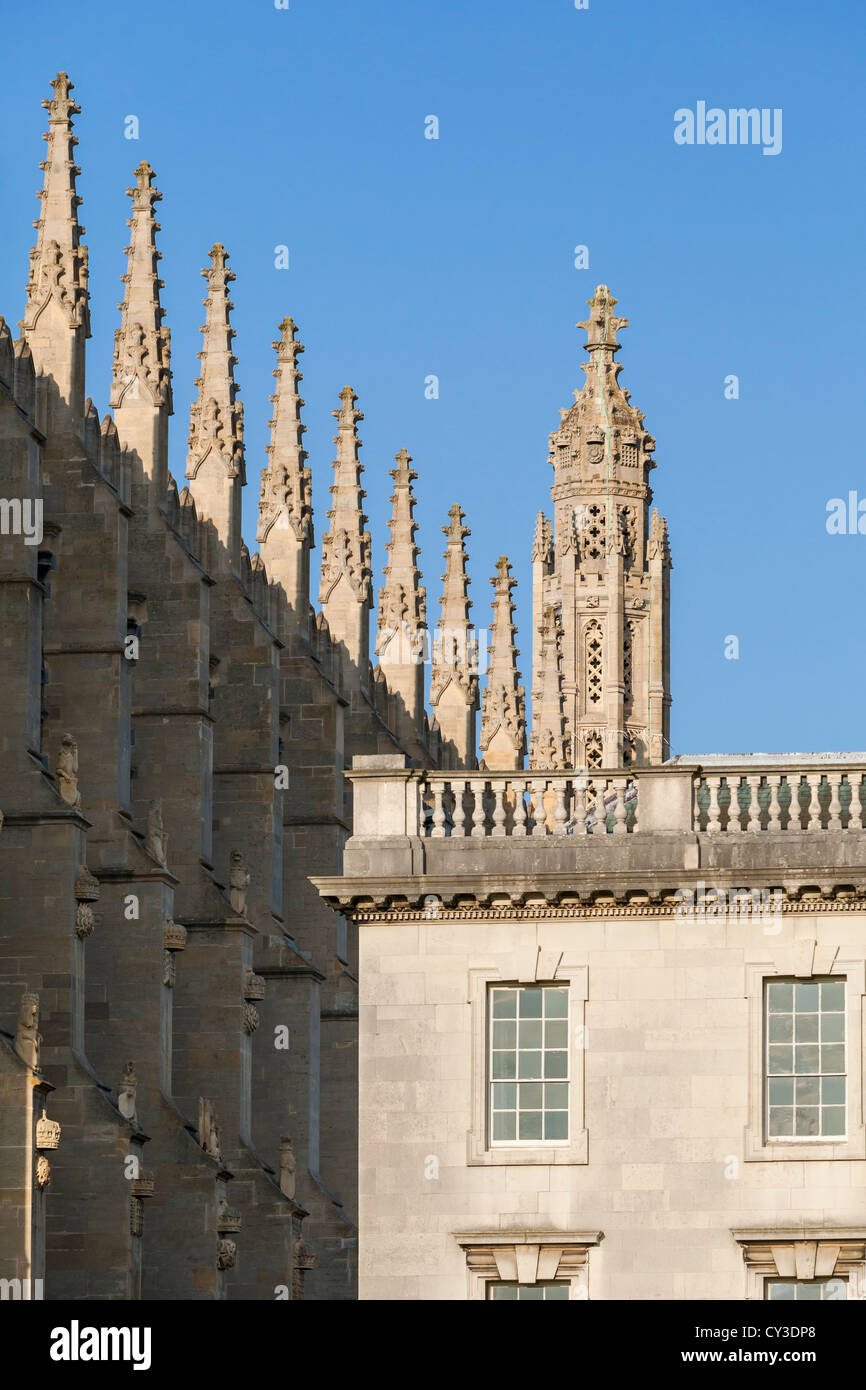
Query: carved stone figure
{"x":47,"y":1133}
{"x":155,"y":837}
{"x":226,"y":1253}
{"x":208,"y":1131}
{"x":288,"y":1167}
{"x":67,"y":771}
{"x":239,"y":882}
{"x":84,"y":920}
{"x":27,"y":1035}
{"x":126,"y":1094}
{"x":43,"y":1171}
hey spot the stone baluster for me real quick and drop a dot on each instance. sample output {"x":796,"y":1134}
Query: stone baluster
{"x":560,"y":815}
{"x":635,"y":822}
{"x":499,"y":792}
{"x":775,"y":819}
{"x":714,"y":823}
{"x":814,"y":812}
{"x":834,"y":821}
{"x":858,"y":808}
{"x":539,"y":786}
{"x":580,"y":785}
{"x":734,"y":812}
{"x":438,"y":790}
{"x":753,"y":781}
{"x":619,"y":811}
{"x":519,"y":790}
{"x":477,"y":787}
{"x":458,"y":788}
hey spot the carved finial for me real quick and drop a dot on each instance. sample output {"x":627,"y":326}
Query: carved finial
{"x":27,"y":1035}
{"x":286,"y":495}
{"x":503,"y":705}
{"x":58,"y":262}
{"x":542,"y":545}
{"x":126,"y":1093}
{"x":155,"y":837}
{"x":601,"y":326}
{"x":67,"y":771}
{"x":658,"y":539}
{"x":239,"y":882}
{"x":141,"y":370}
{"x":215,"y":461}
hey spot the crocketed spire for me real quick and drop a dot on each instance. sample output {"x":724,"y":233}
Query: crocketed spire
{"x":285,"y":529}
{"x":57,"y":318}
{"x":503,"y":704}
{"x":454,"y":675}
{"x":345,"y":592}
{"x":402,"y":627}
{"x":215,"y":461}
{"x":141,"y":371}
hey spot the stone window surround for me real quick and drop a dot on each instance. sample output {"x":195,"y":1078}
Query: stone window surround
{"x":803,"y":960}
{"x":527,"y":1257}
{"x":528,"y":966}
{"x":809,"y":1253}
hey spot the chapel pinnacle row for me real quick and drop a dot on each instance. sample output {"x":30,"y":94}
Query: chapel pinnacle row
{"x":600,"y":609}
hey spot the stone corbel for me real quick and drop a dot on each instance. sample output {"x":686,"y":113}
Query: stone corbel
{"x":527,"y":1257}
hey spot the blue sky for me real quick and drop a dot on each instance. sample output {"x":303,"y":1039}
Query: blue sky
{"x":408,"y":256}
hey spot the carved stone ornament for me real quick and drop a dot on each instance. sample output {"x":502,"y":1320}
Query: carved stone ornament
{"x":254,"y":985}
{"x":67,"y":771}
{"x":173,"y":935}
{"x":228,"y":1220}
{"x":27,"y":1035}
{"x":288,"y":1167}
{"x":126,"y":1094}
{"x":84,"y":921}
{"x":47,"y":1133}
{"x":136,"y":1216}
{"x":304,"y":1256}
{"x":143,"y":1186}
{"x":208,"y":1131}
{"x":43,"y":1171}
{"x":155,"y":838}
{"x":226,"y":1253}
{"x":86,"y":888}
{"x":251,"y":1018}
{"x":239,"y":882}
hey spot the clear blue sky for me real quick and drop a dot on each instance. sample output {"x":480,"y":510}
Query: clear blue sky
{"x":305,"y":127}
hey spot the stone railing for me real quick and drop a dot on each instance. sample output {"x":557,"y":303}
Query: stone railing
{"x":508,"y":803}
{"x":745,"y":796}
{"x":732,"y":801}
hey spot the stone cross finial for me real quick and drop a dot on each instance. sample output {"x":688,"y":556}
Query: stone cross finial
{"x":141,"y":370}
{"x":286,"y":481}
{"x":402,"y":600}
{"x":345,"y":591}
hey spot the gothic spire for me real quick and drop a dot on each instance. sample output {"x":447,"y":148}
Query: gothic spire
{"x":503,"y":705}
{"x":454,"y":675}
{"x":402,"y":622}
{"x":141,"y":374}
{"x":215,"y":461}
{"x":345,"y":592}
{"x":285,"y":529}
{"x":548,"y":744}
{"x":57,"y":317}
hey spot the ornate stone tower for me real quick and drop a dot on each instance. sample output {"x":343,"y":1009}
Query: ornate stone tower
{"x":601,"y":578}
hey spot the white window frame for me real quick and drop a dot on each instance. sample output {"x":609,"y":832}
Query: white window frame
{"x":494,"y":1081}
{"x":769,"y":1077}
{"x":529,"y":967}
{"x":805,"y":961}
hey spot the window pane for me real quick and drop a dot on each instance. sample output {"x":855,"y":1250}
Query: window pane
{"x":782,"y":1091}
{"x":556,"y":1096}
{"x":779,"y":1292}
{"x":504,"y":1096}
{"x":504,"y":1124}
{"x":503,"y":1064}
{"x":781,"y":1120}
{"x":529,"y":1065}
{"x":807,"y":1090}
{"x":556,"y":1124}
{"x":556,"y":1291}
{"x":505,"y":1035}
{"x":781,"y":997}
{"x":781,"y":1059}
{"x":555,"y":1064}
{"x":806,"y":998}
{"x":833,"y":1090}
{"x":556,"y":1033}
{"x":530,"y":1002}
{"x":807,"y":1028}
{"x":556,"y":1003}
{"x":833,"y":1119}
{"x":530,"y":1033}
{"x":806,"y":1120}
{"x":833,"y":1058}
{"x":504,"y":1003}
{"x":530,"y":1124}
{"x":832,"y":995}
{"x":781,"y":1028}
{"x":530,"y":1095}
{"x":806,"y":1058}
